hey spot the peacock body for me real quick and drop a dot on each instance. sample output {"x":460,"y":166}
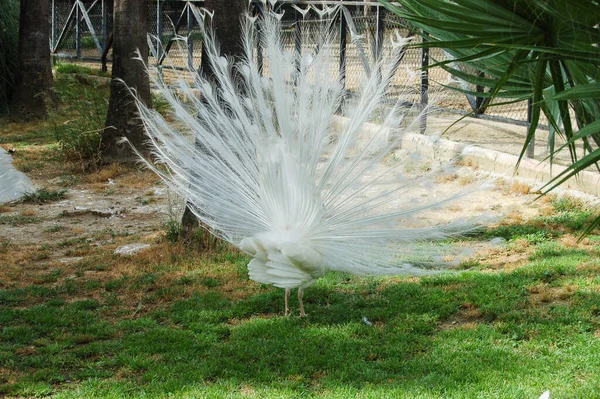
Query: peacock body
{"x":256,"y":155}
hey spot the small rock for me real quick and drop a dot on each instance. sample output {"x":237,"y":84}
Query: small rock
{"x":104,"y":213}
{"x":71,"y":259}
{"x":498,"y":241}
{"x":130,"y":249}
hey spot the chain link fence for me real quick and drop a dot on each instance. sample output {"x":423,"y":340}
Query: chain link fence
{"x":363,"y":31}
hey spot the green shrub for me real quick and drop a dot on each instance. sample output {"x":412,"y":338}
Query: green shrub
{"x":66,"y":68}
{"x":173,"y":230}
{"x":160,"y":105}
{"x":568,"y":204}
{"x":88,"y":42}
{"x":44,"y":195}
{"x":79,"y":137}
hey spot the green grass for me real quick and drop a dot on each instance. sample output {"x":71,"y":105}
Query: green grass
{"x":17,"y":220}
{"x":44,"y":195}
{"x":473,"y":335}
{"x":160,"y":105}
{"x":66,"y":68}
{"x":72,"y":133}
{"x":79,"y":137}
{"x":175,"y":326}
{"x":55,"y":229}
{"x":570,"y":216}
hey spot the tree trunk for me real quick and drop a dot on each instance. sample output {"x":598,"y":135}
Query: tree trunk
{"x":34,"y":91}
{"x":227,"y":26}
{"x":130,"y":27}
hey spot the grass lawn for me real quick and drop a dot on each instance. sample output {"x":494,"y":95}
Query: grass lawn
{"x":196,"y":327}
{"x":171,"y":323}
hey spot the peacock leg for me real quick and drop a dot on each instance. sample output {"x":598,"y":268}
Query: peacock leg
{"x":300,"y":294}
{"x":287,"y":298}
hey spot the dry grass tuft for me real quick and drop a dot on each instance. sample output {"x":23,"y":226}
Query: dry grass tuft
{"x":81,"y":251}
{"x":519,"y":188}
{"x":103,"y":175}
{"x":513,"y":218}
{"x":545,"y":209}
{"x":467,"y":318}
{"x":547,"y":199}
{"x":5,"y":209}
{"x":521,"y":244}
{"x":571,"y":241}
{"x":466,"y":179}
{"x":506,"y":259}
{"x":7,"y":147}
{"x":468,"y":311}
{"x":468,"y":162}
{"x":78,"y":230}
{"x":138,"y":179}
{"x":455,"y":208}
{"x":446,"y":178}
{"x":588,"y":267}
{"x":27,"y":212}
{"x":543,"y":294}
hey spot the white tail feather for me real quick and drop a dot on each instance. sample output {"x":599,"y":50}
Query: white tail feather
{"x":258,"y":159}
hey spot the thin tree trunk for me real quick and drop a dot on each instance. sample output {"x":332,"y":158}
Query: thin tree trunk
{"x":130,"y":28}
{"x":227,"y":26}
{"x":34,"y":92}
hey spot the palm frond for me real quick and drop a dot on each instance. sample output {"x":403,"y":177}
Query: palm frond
{"x":543,"y":50}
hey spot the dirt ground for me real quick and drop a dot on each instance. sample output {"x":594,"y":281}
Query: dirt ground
{"x":121,"y":205}
{"x":115,"y":202}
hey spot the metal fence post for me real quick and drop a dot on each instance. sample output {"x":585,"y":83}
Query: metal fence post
{"x":424,"y":85}
{"x":53,"y":25}
{"x":343,"y":46}
{"x":190,"y":40}
{"x":479,"y":101}
{"x":53,"y":32}
{"x":77,"y":30}
{"x":298,"y":39}
{"x":530,"y":153}
{"x":104,"y":24}
{"x":159,"y":31}
{"x":258,"y":10}
{"x":380,"y":32}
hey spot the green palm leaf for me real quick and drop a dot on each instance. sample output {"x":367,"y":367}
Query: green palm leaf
{"x":543,"y":50}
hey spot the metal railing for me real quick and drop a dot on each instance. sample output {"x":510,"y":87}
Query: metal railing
{"x":81,"y":29}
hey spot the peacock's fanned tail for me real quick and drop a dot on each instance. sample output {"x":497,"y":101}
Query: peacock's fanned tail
{"x":260,"y":157}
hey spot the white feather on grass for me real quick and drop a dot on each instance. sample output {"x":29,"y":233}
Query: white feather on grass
{"x":258,"y":159}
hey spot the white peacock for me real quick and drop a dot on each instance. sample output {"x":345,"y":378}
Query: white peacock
{"x":259,"y":160}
